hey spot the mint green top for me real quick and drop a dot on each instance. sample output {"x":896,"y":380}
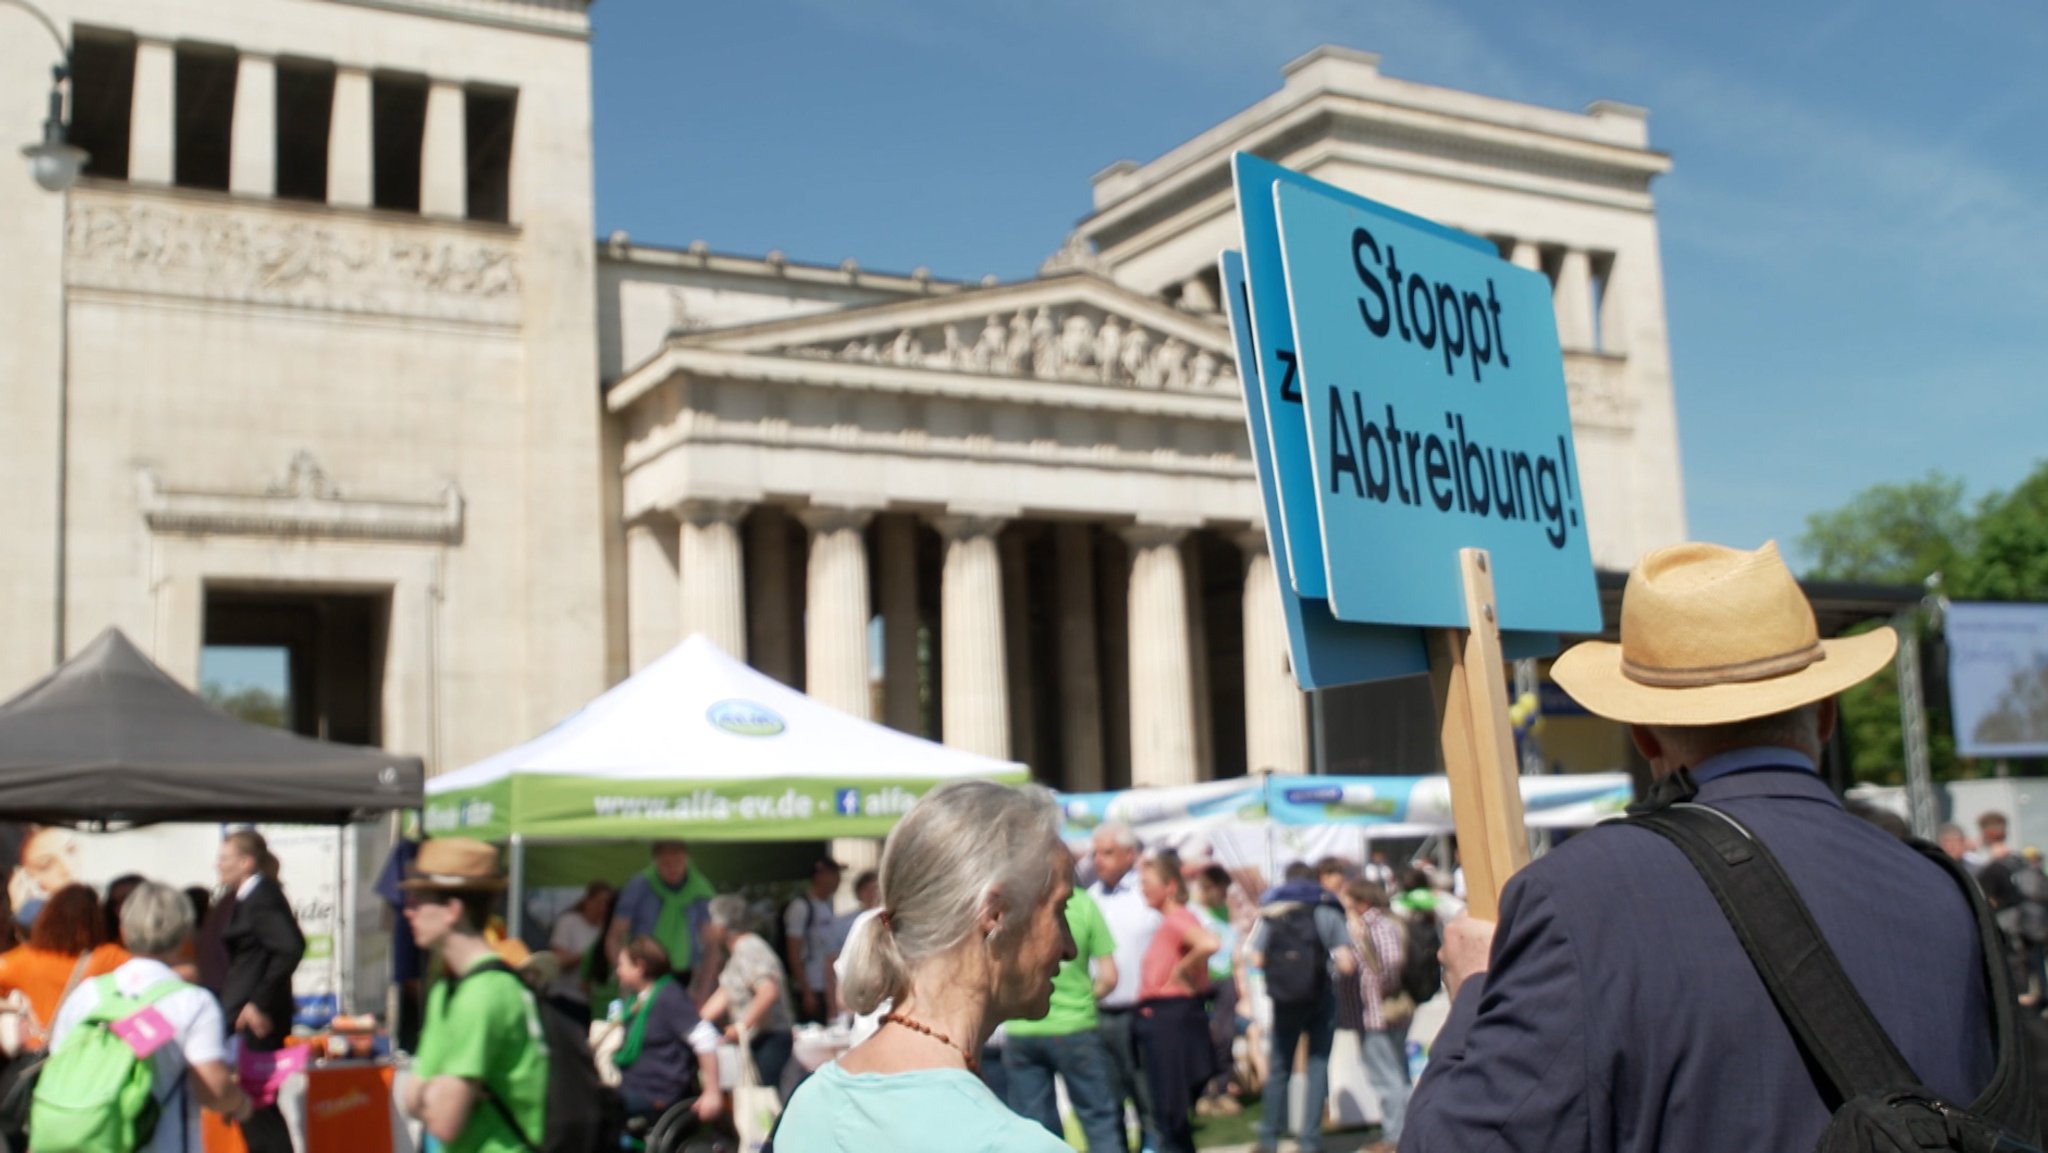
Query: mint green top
{"x":1073,"y":990}
{"x":928,"y":1111}
{"x":490,"y":1034}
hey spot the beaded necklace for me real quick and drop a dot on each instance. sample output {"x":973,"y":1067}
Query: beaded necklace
{"x":915,"y":1026}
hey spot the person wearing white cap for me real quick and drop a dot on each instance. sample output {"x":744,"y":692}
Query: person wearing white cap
{"x":1614,"y":1007}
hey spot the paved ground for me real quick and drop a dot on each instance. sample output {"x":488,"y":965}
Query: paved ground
{"x":1332,"y":1143}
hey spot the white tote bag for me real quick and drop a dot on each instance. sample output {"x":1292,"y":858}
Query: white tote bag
{"x":755,"y":1107}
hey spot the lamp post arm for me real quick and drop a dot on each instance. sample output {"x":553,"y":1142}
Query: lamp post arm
{"x":49,"y":25}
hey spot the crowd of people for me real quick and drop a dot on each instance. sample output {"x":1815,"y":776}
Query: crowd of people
{"x":1616,"y":1005}
{"x":212,"y":971}
{"x":2017,"y":888}
{"x":1179,"y":995}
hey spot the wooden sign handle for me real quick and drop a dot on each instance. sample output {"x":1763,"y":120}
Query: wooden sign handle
{"x":1469,"y":680}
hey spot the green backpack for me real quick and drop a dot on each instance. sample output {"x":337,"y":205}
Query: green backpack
{"x":94,"y":1094}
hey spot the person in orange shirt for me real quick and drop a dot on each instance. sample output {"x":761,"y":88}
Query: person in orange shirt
{"x":66,"y":946}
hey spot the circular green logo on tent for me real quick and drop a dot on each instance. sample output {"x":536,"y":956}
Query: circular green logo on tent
{"x":746,"y":719}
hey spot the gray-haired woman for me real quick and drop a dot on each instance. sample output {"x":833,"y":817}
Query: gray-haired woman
{"x":753,"y":989}
{"x":189,"y":1070}
{"x":971,"y":931}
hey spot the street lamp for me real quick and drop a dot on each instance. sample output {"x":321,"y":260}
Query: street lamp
{"x":54,"y":161}
{"x":56,"y":164}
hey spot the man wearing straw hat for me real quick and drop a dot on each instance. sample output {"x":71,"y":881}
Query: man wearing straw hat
{"x":1613,"y":1008}
{"x":481,"y":1075}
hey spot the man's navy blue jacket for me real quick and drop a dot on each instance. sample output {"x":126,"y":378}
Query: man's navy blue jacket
{"x":1621,"y":1013}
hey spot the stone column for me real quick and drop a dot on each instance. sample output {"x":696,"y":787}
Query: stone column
{"x":152,"y":117}
{"x":651,"y":593}
{"x":775,"y":615}
{"x":444,"y":154}
{"x":713,"y":597}
{"x":901,"y":708}
{"x":836,"y":610}
{"x":1574,"y":301}
{"x":348,"y":140}
{"x":975,"y":696}
{"x":1275,"y":718}
{"x":1163,"y":744}
{"x":1079,"y":670}
{"x":1528,"y":256}
{"x":836,"y":636}
{"x":252,"y":154}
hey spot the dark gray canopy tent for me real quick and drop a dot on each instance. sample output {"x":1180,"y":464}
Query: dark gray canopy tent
{"x":109,"y":740}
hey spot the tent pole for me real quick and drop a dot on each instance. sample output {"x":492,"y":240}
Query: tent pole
{"x":515,"y":914}
{"x":342,"y":950}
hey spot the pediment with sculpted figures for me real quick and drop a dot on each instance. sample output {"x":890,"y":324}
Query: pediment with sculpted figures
{"x":1074,"y":327}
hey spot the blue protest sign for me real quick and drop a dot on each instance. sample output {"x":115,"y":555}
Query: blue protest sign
{"x":1298,"y":531}
{"x":1327,"y":652}
{"x":1433,"y":391}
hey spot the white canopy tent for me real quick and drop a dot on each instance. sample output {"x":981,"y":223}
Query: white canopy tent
{"x":699,"y":746}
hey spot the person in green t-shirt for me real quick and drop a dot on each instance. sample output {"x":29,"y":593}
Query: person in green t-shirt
{"x":480,"y":1078}
{"x":1065,"y":1040}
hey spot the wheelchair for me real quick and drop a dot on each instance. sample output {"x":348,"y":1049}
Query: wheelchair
{"x":678,"y":1130}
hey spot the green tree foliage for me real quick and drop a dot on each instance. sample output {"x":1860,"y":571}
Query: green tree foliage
{"x":256,"y":705}
{"x":2010,"y":559}
{"x":1891,"y":533}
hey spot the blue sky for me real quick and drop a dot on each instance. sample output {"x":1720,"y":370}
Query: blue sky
{"x":1854,"y":233}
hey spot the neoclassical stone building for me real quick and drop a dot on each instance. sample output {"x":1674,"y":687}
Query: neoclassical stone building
{"x":1035,"y":499}
{"x":322,"y":355}
{"x":306,"y":359}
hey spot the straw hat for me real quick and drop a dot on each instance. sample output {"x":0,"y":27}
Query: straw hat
{"x":513,"y":952}
{"x":454,"y":863}
{"x":1713,"y":635}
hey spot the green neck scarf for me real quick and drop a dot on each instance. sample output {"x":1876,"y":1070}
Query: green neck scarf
{"x":672,"y":927}
{"x":636,"y":1024}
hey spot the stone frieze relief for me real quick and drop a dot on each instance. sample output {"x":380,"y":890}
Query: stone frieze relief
{"x":305,"y":259}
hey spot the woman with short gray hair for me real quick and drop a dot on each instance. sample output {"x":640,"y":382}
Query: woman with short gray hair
{"x":971,"y":929}
{"x":156,"y":922}
{"x":753,"y":989}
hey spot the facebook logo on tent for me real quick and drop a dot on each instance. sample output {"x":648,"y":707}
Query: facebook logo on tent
{"x":847,"y":802}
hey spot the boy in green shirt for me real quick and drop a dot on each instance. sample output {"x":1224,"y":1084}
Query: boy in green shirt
{"x":480,"y":1079}
{"x":1065,"y":1040}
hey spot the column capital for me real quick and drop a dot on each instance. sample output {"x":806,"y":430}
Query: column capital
{"x":967,"y":526}
{"x":1153,"y":535}
{"x":702,"y":513}
{"x":833,"y":518}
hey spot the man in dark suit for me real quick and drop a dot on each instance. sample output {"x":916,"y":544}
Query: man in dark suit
{"x":1613,"y":1007}
{"x":248,"y":950}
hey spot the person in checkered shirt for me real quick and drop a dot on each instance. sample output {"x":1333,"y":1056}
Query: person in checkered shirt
{"x":1378,"y":935}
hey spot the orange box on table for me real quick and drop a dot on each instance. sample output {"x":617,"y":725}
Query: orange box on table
{"x":348,"y":1107}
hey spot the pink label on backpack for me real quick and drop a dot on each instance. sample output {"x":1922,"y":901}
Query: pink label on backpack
{"x":145,"y":1032}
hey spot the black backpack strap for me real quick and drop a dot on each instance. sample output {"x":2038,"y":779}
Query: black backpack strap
{"x":1828,"y":1018}
{"x":2009,"y":1098}
{"x":455,"y":983}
